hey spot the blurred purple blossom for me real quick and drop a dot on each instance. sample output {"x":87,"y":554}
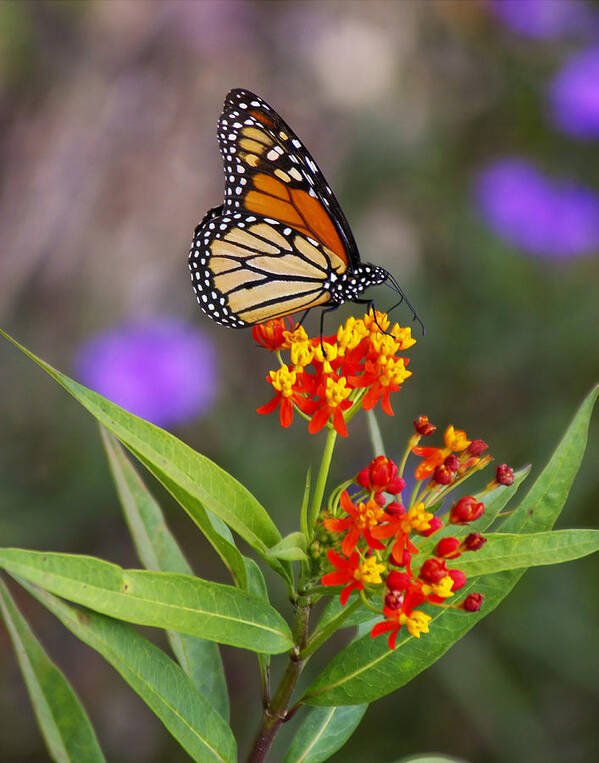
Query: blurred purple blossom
{"x":553,"y":218}
{"x":574,"y":95}
{"x":160,"y":369}
{"x":546,"y":19}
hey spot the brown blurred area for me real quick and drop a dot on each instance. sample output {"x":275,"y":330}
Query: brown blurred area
{"x":108,"y":160}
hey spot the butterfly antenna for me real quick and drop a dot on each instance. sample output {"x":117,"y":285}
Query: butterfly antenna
{"x":394,"y":285}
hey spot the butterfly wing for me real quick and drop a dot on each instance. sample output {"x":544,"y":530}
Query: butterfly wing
{"x":269,"y":171}
{"x":247,"y":269}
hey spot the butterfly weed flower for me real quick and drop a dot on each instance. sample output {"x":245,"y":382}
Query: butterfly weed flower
{"x":328,"y":379}
{"x":377,"y":529}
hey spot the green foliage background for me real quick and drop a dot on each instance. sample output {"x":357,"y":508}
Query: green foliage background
{"x":109,"y":159}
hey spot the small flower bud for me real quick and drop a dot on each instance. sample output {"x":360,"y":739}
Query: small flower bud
{"x":433,"y":570}
{"x":394,"y":600}
{"x":474,"y":541}
{"x":504,"y":474}
{"x":448,"y":548}
{"x":406,"y":558}
{"x":435,"y":524}
{"x":394,"y":509}
{"x":473,"y":602}
{"x":381,"y":476}
{"x":452,"y":462}
{"x":423,"y":426}
{"x":477,"y":448}
{"x":459,"y":579}
{"x":397,"y":581}
{"x":467,"y":509}
{"x":442,"y":475}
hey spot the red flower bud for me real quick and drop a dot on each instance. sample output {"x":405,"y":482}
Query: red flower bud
{"x":442,"y":475}
{"x":448,"y":548}
{"x":435,"y":524}
{"x":474,"y":541}
{"x":397,"y":581}
{"x":476,"y":448}
{"x":394,"y":509}
{"x":394,"y":600}
{"x":406,"y":558}
{"x":452,"y":462}
{"x":381,"y":476}
{"x":467,"y":509}
{"x":433,"y":570}
{"x":379,"y":499}
{"x":423,"y":426}
{"x":473,"y":602}
{"x":504,"y":474}
{"x":459,"y":579}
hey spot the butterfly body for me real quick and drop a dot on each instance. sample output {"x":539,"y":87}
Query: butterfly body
{"x":279,"y":244}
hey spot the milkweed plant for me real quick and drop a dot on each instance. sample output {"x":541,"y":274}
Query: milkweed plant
{"x":408,"y":570}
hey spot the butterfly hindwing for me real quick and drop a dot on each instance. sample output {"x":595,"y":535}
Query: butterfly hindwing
{"x":247,"y":269}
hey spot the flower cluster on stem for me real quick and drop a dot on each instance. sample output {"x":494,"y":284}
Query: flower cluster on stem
{"x":328,"y":379}
{"x":377,"y":534}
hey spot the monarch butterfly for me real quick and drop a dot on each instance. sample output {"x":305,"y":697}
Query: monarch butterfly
{"x":280,"y":243}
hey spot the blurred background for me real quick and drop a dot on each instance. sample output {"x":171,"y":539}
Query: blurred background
{"x":461,"y":138}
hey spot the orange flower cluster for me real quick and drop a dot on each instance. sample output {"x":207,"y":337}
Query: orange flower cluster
{"x":379,"y":535}
{"x":327,"y":379}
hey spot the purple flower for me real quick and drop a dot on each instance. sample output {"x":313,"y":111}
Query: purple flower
{"x":553,"y":218}
{"x":546,"y":19}
{"x":574,"y":95}
{"x":160,"y":369}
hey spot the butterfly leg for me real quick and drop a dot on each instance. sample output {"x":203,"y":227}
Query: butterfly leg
{"x":304,"y":316}
{"x":326,"y":310}
{"x":370,"y":304}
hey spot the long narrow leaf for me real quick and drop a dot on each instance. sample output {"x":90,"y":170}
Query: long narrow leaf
{"x":67,"y":730}
{"x":158,"y":550}
{"x":512,"y":551}
{"x":323,"y":731}
{"x":161,"y":599}
{"x":191,"y":478}
{"x":367,"y":669}
{"x":185,"y":712}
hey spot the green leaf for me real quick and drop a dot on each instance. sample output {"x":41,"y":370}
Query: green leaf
{"x":158,"y":550}
{"x":367,"y":669}
{"x":257,"y":587}
{"x":195,"y":482}
{"x":67,"y":730}
{"x":510,"y":551}
{"x":158,"y":680}
{"x":292,"y":548}
{"x":168,"y":600}
{"x":335,"y":609}
{"x":323,"y":731}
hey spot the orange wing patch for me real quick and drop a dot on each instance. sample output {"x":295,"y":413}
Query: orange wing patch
{"x":318,"y":221}
{"x":260,"y":116}
{"x":272,"y":198}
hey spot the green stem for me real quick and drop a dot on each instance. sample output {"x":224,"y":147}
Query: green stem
{"x":321,"y":635}
{"x":321,"y":481}
{"x":276,"y":712}
{"x":378,"y":446}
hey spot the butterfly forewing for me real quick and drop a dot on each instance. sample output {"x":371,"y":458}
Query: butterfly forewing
{"x":268,"y":171}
